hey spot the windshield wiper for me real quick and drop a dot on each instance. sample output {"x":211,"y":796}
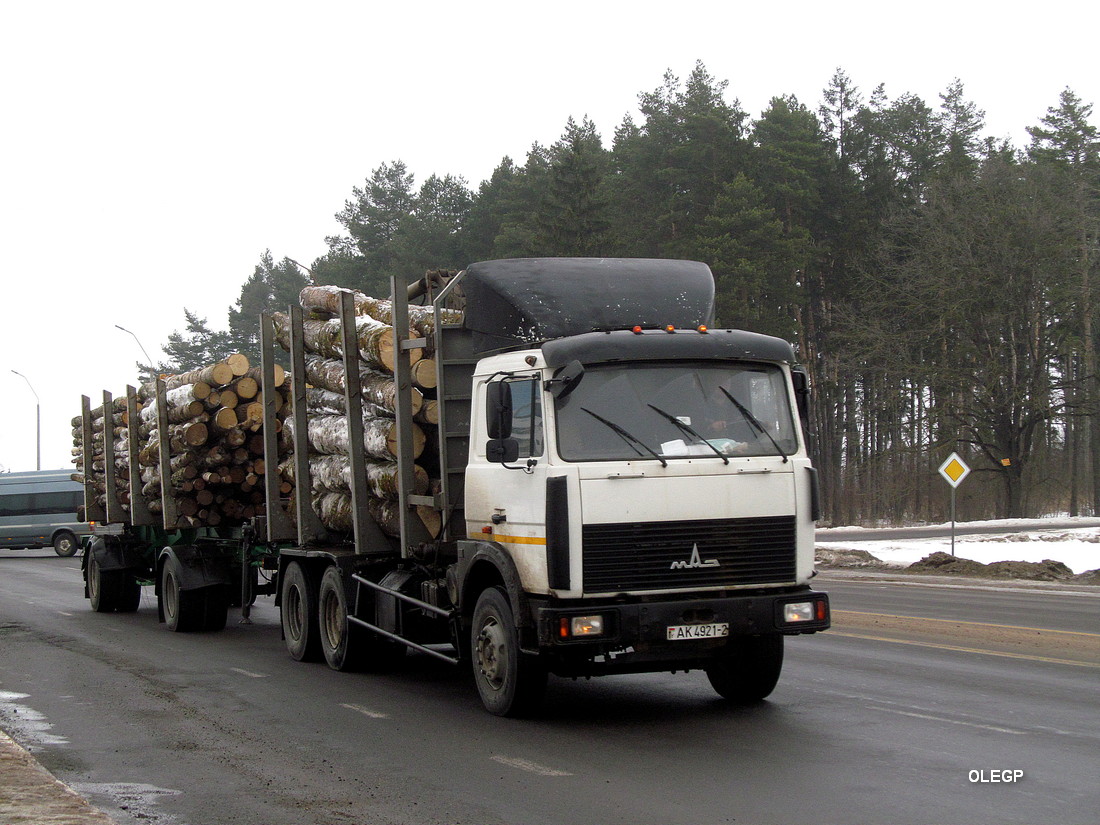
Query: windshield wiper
{"x":687,"y":428}
{"x":630,"y":439}
{"x":753,"y":422}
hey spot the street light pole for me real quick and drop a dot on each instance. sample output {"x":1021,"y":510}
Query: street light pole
{"x":37,"y":421}
{"x":148,"y":360}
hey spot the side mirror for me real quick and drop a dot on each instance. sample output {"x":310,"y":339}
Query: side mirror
{"x":801,"y":381}
{"x":498,"y":410}
{"x":502,"y":450}
{"x":566,"y":379}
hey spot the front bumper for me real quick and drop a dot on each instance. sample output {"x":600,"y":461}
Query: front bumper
{"x":635,"y":633}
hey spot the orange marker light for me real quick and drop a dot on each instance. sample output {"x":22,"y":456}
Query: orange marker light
{"x":702,"y":328}
{"x":669,"y":328}
{"x":637,"y":330}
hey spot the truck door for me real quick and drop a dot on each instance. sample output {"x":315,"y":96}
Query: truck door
{"x":506,"y":478}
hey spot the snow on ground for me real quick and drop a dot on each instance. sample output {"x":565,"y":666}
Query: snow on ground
{"x":1022,"y":540}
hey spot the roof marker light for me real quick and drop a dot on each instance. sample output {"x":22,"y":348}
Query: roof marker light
{"x":637,"y":330}
{"x":703,"y":328}
{"x":669,"y":328}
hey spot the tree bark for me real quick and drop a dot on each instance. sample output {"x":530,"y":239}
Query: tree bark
{"x":377,"y":388}
{"x":328,"y":435}
{"x":374,"y":340}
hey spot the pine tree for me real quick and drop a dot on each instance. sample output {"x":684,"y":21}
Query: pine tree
{"x":667,"y":171}
{"x":756,"y":262}
{"x":572,"y":215}
{"x":961,"y":123}
{"x":1067,"y":141}
{"x":271,"y":287}
{"x":373,"y":219}
{"x":198,"y":346}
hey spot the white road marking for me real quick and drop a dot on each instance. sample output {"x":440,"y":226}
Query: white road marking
{"x":373,"y":714}
{"x":951,"y":721}
{"x":249,"y":673}
{"x":530,"y":767}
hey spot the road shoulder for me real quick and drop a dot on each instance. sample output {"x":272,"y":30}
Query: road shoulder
{"x":900,"y":576}
{"x":31,"y":795}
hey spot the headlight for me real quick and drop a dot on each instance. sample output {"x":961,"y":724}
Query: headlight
{"x":814,"y":610}
{"x":573,"y":627}
{"x":798,"y":612}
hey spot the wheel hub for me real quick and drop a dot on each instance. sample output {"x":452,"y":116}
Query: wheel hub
{"x":492,"y":656}
{"x":295,"y":613}
{"x":93,"y":578}
{"x":171,"y":596}
{"x":332,"y":620}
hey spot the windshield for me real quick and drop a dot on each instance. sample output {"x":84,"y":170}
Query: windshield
{"x":676,"y":410}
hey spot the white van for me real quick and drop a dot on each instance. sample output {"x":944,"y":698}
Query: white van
{"x":39,"y":509}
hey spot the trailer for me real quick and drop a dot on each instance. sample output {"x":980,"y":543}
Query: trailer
{"x":620,"y":488}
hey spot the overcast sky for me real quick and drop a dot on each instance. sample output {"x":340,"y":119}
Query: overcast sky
{"x":151,"y":152}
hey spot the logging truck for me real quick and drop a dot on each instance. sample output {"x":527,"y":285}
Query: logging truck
{"x":578,"y":476}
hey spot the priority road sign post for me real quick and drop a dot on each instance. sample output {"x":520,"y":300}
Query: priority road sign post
{"x":954,"y":470}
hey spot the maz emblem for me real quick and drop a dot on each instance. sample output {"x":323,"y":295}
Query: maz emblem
{"x":694,"y":561}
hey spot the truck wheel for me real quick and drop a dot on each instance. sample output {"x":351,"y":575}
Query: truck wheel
{"x":510,"y":683}
{"x":183,"y":610}
{"x":299,"y":615}
{"x":103,"y":587}
{"x":215,"y":606}
{"x":129,"y":593}
{"x":65,"y":544}
{"x":750,"y":670}
{"x":340,"y":647}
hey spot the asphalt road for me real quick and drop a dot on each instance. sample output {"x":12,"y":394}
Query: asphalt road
{"x":885,"y":719}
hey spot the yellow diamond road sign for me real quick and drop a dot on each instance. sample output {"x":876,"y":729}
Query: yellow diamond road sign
{"x":954,"y":470}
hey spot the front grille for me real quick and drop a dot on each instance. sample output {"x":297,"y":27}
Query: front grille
{"x":660,"y":555}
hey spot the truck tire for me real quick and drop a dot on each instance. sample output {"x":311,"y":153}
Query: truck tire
{"x":184,"y":610}
{"x":347,"y":647}
{"x":103,"y":587}
{"x":339,"y":645}
{"x":749,"y":671}
{"x":129,"y":592}
{"x":65,"y":544}
{"x":299,"y":614}
{"x":215,"y":608}
{"x":509,"y":682}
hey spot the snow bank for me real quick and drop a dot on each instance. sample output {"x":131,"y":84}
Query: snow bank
{"x":1023,"y":540}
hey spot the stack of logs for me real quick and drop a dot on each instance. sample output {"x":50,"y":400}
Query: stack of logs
{"x":330,"y":473}
{"x":215,"y":437}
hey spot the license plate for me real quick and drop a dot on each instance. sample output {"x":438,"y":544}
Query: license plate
{"x":716,"y":630}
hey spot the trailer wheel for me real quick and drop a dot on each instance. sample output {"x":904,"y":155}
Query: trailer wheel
{"x":184,"y":610}
{"x":65,"y":544}
{"x":103,"y":587}
{"x":750,"y":670}
{"x":299,"y":615}
{"x":510,"y":683}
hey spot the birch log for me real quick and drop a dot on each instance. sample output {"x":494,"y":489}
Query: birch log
{"x":328,"y":435}
{"x":334,"y":510}
{"x":327,"y":299}
{"x":377,"y":388}
{"x":332,"y":474}
{"x":374,"y":340}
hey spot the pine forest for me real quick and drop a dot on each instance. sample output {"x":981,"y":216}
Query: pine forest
{"x":935,"y":281}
